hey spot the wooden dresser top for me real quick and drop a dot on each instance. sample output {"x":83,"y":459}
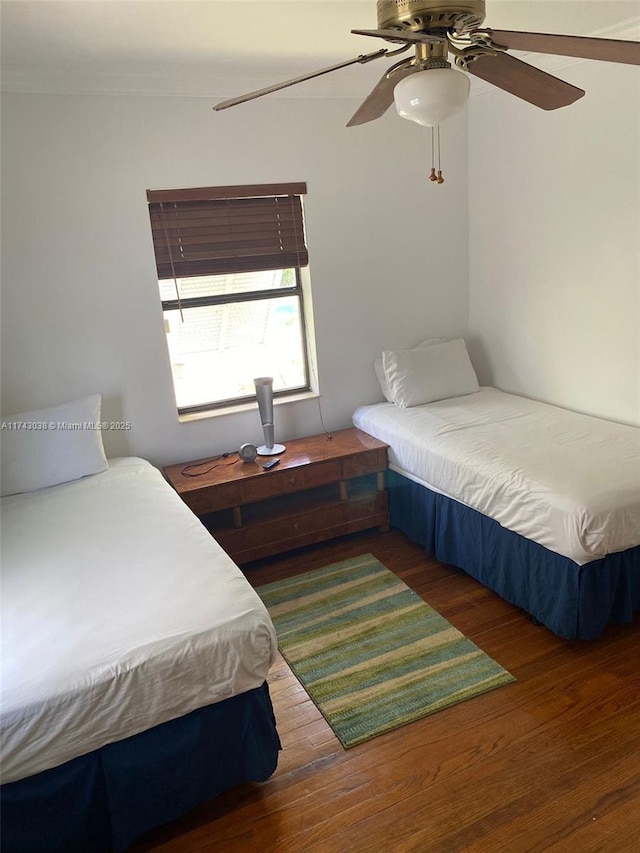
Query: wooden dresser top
{"x":299,"y":451}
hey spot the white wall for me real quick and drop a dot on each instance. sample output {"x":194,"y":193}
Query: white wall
{"x":80,"y":307}
{"x":554,"y":280}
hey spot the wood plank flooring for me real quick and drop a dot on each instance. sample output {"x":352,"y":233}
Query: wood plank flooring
{"x":548,"y":763}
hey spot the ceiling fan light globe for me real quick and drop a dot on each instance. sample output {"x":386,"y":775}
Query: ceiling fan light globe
{"x":431,"y":96}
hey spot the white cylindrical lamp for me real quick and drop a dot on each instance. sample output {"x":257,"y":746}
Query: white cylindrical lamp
{"x":264,"y":393}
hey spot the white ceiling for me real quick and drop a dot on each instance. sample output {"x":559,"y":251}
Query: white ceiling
{"x":220,"y":48}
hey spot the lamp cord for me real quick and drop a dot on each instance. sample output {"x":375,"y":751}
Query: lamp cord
{"x":187,"y":471}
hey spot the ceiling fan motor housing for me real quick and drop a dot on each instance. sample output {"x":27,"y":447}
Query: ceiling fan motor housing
{"x":460,"y":16}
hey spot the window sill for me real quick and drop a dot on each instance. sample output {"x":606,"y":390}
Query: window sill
{"x":245,"y":407}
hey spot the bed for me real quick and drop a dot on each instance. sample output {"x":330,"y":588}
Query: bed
{"x":539,"y":503}
{"x":135,"y":659}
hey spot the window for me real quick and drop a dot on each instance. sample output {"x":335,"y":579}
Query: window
{"x":230,"y":263}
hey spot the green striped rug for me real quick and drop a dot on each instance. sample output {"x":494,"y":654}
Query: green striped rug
{"x":371,"y":654}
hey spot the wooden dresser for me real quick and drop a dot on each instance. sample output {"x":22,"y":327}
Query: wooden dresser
{"x":324,"y":486}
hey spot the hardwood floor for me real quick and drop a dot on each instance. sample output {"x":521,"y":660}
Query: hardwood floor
{"x":548,"y":763}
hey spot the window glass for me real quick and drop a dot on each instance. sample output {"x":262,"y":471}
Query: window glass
{"x":217,"y":350}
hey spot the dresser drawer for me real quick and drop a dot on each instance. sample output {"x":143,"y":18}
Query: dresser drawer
{"x":367,"y":462}
{"x":202,"y":501}
{"x":304,"y":522}
{"x":287,"y":527}
{"x":233,"y":541}
{"x":274,"y":483}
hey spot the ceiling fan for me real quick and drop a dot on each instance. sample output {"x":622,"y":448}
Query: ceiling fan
{"x":427,"y":90}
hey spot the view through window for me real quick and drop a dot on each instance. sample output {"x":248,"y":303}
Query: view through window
{"x":216,"y":350}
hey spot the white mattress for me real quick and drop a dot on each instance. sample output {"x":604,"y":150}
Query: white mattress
{"x":567,"y":481}
{"x":119,"y":612}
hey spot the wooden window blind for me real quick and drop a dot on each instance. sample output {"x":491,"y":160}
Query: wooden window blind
{"x":218,"y":230}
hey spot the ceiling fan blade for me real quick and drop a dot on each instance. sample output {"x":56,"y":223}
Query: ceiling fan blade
{"x":524,"y":80}
{"x":401,"y":35}
{"x":607,"y":50}
{"x":380,"y":99}
{"x":366,"y":57}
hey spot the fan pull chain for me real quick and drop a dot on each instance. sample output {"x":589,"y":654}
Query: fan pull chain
{"x":432,"y":176}
{"x":435,"y":176}
{"x":439,"y":179}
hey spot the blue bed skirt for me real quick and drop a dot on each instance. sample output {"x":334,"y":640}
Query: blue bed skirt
{"x":102,"y":801}
{"x":572,"y":601}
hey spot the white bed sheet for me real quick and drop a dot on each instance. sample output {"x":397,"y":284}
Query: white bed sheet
{"x":568,"y":481}
{"x":119,"y":612}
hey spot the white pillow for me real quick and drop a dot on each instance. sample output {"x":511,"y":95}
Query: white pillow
{"x":379,"y":370}
{"x":51,"y":446}
{"x":429,"y":373}
{"x":382,"y":379}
